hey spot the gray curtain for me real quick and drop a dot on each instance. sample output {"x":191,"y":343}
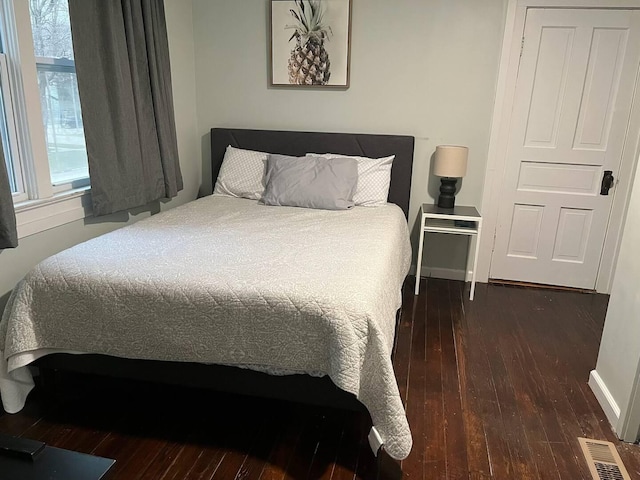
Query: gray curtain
{"x":124,"y":80}
{"x":8,"y":233}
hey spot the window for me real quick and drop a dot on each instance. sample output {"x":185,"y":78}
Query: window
{"x":40,"y":117}
{"x":61,"y":115}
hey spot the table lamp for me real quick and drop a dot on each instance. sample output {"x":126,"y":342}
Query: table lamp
{"x":450,"y":164}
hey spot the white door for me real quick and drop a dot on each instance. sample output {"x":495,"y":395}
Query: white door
{"x":571,"y":112}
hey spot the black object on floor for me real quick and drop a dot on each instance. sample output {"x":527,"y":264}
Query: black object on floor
{"x":18,"y":447}
{"x":48,"y":463}
{"x":464,"y":223}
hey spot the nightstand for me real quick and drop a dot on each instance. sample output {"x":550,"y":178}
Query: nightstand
{"x":459,"y":220}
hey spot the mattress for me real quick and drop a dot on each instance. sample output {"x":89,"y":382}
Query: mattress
{"x":224,"y":280}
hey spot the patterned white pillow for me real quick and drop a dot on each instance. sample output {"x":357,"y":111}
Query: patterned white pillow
{"x":241,"y":174}
{"x":374,"y":178}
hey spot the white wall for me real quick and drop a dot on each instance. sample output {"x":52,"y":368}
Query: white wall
{"x":15,"y":263}
{"x":619,"y":357}
{"x":421,"y":68}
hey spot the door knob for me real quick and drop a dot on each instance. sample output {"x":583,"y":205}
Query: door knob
{"x":607,"y":182}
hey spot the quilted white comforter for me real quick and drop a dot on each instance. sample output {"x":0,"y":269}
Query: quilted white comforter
{"x":229,"y":281}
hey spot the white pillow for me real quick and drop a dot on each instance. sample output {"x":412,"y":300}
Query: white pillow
{"x":374,"y":178}
{"x":241,"y":174}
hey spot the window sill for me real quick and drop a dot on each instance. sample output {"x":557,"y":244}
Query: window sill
{"x":35,"y":216}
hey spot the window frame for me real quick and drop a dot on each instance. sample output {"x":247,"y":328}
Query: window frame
{"x":21,"y":194}
{"x":40,"y":205}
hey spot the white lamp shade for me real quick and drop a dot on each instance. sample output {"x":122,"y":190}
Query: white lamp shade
{"x":450,"y":161}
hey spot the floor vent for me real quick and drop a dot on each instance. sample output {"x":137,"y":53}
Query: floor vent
{"x":603,"y":460}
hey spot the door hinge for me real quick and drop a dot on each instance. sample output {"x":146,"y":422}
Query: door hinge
{"x":521,"y":46}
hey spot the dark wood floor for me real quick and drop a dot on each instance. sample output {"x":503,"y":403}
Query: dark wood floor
{"x":494,"y":388}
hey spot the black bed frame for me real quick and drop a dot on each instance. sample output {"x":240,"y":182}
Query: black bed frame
{"x":299,"y":388}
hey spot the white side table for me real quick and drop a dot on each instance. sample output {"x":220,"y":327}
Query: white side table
{"x":459,"y":220}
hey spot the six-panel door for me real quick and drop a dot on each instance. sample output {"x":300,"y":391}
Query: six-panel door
{"x":573,"y":100}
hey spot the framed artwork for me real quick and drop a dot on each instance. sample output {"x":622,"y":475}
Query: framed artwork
{"x":310,"y":43}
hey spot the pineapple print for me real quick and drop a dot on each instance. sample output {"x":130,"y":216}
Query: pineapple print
{"x":309,"y":62}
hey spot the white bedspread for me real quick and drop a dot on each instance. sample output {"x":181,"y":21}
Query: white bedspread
{"x":228,"y":281}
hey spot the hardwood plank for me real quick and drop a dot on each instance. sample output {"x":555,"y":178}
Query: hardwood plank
{"x":34,"y":410}
{"x":182,"y":469}
{"x":551,"y":358}
{"x":629,"y":454}
{"x":300,"y":464}
{"x":402,"y":347}
{"x":48,"y":430}
{"x":284,"y":448}
{"x":152,"y":433}
{"x":589,"y":311}
{"x":457,"y":464}
{"x":477,"y":314}
{"x":366,"y":468}
{"x":417,"y":406}
{"x":476,"y":445}
{"x":524,"y":466}
{"x":199,"y":450}
{"x":583,"y":344}
{"x":351,"y":439}
{"x":135,"y":444}
{"x":239,"y":440}
{"x":163,"y":462}
{"x":551,"y":429}
{"x":260,"y":451}
{"x":328,"y":444}
{"x":209,"y":436}
{"x":207,"y":463}
{"x":530,"y":403}
{"x":87,"y":430}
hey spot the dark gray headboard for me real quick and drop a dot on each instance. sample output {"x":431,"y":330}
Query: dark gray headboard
{"x":300,"y":143}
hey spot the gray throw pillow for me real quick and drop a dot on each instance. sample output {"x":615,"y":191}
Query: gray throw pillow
{"x":310,"y":182}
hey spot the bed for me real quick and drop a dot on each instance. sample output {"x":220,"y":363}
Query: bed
{"x":276,"y":301}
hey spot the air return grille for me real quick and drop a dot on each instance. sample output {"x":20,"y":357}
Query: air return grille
{"x":603,"y":460}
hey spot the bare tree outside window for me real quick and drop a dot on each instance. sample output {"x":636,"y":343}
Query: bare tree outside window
{"x":59,"y":98}
{"x":51,"y":28}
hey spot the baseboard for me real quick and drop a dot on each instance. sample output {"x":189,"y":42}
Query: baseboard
{"x":605,"y":399}
{"x":446,"y":273}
